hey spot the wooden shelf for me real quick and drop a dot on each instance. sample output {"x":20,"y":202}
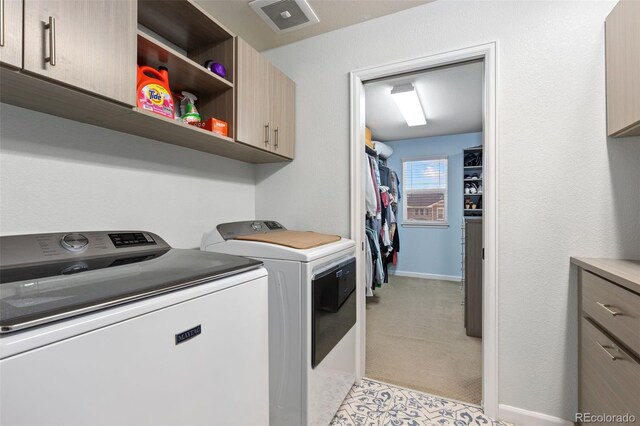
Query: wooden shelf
{"x":472,"y":180}
{"x":184,"y":73}
{"x":157,"y":127}
{"x":27,"y":91}
{"x":472,"y":167}
{"x":182,"y":22}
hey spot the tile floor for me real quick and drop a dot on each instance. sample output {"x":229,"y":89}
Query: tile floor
{"x":373,"y":403}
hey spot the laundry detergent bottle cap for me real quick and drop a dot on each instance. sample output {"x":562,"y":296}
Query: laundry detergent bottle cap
{"x":154,"y":94}
{"x":188,"y":108}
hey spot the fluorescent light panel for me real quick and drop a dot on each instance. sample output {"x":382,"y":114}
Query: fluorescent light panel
{"x":407,"y":100}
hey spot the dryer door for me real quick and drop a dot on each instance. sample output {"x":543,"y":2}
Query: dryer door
{"x":334,"y":308}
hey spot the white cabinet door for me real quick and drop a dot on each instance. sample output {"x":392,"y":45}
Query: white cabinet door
{"x":134,"y":373}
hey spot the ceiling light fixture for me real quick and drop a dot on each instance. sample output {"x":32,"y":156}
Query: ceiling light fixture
{"x":407,"y":100}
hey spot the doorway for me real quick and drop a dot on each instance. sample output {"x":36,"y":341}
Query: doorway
{"x":486,"y":54}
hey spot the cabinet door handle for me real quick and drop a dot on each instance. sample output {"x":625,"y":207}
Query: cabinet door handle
{"x":606,"y":308}
{"x":275,"y":134}
{"x":604,"y":348}
{"x":267,"y":133}
{"x":1,"y":23}
{"x":51,"y":26}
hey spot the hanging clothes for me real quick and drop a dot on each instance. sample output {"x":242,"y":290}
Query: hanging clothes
{"x":371,"y":204}
{"x":368,"y":271}
{"x":382,"y":192}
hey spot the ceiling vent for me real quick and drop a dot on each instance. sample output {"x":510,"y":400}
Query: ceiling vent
{"x":285,"y":15}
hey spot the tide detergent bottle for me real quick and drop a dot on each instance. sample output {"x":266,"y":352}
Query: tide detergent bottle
{"x":154,"y":93}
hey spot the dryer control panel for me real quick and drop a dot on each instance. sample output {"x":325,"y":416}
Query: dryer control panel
{"x":231,"y":230}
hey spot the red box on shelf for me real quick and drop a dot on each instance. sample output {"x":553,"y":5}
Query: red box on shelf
{"x":213,"y":125}
{"x":217,"y":126}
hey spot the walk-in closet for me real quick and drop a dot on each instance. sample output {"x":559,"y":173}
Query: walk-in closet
{"x":424,"y":208}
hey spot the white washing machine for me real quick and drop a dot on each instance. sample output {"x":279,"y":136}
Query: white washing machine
{"x":118,"y":328}
{"x":312,"y":316}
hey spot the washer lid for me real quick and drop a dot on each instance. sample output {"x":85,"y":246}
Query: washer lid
{"x":36,"y":293}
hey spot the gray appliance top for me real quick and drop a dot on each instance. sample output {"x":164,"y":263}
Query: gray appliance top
{"x":231,"y":230}
{"x":49,"y":277}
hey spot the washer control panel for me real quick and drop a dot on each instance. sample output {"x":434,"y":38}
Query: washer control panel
{"x":74,"y":242}
{"x":46,"y":248}
{"x":229,"y":231}
{"x":129,"y":239}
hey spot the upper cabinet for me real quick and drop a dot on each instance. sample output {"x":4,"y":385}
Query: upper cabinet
{"x":77,"y":59}
{"x":623,"y":69}
{"x":11,"y":33}
{"x":252,"y":96}
{"x":87,"y":44}
{"x":265,"y":103}
{"x":283,"y":94}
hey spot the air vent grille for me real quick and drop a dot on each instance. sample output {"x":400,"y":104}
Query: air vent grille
{"x":285,"y":15}
{"x":277,"y":11}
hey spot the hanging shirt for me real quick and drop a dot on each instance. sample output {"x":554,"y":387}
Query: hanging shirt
{"x":371,"y":204}
{"x":368,"y":271}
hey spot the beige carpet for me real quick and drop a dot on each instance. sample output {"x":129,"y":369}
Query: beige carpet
{"x":416,"y":339}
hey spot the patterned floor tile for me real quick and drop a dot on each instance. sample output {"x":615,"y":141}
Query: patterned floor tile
{"x":372,"y":404}
{"x":366,"y":405}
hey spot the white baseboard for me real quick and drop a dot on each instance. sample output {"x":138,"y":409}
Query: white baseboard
{"x":522,"y":417}
{"x":427,"y":276}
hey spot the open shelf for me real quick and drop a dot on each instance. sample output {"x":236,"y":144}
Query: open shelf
{"x":184,"y":73}
{"x":475,"y":152}
{"x":154,"y":126}
{"x":183,"y":22}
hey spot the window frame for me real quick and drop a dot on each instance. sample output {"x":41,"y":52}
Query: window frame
{"x":405,"y":195}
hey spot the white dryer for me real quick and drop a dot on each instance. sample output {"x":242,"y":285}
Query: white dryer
{"x":312,"y":316}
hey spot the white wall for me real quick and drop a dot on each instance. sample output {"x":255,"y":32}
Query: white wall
{"x":58,"y":175}
{"x":564,"y":188}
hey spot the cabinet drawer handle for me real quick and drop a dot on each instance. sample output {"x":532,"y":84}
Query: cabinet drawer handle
{"x":606,"y":308}
{"x":51,"y":26}
{"x":275,"y":133}
{"x":267,"y":131}
{"x":604,"y":348}
{"x":1,"y":23}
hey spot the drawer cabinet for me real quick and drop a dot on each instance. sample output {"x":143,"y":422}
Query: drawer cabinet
{"x":609,"y":349}
{"x":609,"y":375}
{"x":615,"y":308}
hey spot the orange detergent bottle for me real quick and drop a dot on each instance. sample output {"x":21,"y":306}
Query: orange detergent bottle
{"x":153,"y":91}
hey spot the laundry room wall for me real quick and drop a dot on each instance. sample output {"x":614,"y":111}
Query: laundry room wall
{"x":564,"y":188}
{"x":59,"y":175}
{"x":433,"y":252}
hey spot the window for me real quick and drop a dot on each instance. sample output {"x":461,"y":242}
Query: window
{"x":425,"y":191}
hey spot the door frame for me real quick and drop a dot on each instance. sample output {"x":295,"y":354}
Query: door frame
{"x":487,"y":52}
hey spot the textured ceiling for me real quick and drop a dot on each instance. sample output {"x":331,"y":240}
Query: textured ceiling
{"x":451,"y":98}
{"x":238,"y":17}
